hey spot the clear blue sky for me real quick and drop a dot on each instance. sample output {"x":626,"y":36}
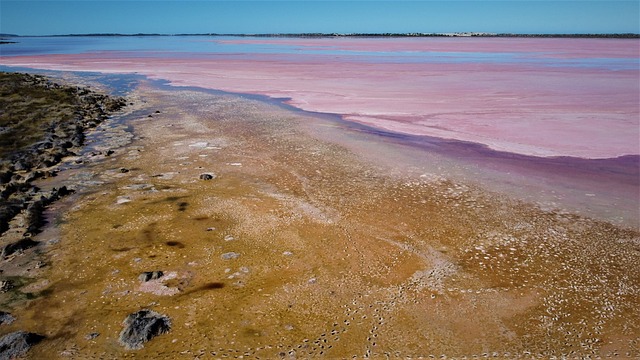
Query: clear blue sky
{"x":27,"y":17}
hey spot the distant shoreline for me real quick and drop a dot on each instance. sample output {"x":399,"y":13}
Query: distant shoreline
{"x":368,"y":35}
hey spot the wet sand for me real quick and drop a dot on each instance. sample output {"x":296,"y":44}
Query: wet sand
{"x":336,"y":255}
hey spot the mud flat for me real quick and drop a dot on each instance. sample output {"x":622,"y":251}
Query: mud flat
{"x":258,"y":240}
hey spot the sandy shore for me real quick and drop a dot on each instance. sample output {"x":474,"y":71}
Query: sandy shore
{"x":299,"y":247}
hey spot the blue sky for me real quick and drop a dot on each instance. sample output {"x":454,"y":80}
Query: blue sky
{"x":27,"y":17}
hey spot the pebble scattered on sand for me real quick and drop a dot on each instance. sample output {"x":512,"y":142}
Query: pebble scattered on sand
{"x":230,"y":256}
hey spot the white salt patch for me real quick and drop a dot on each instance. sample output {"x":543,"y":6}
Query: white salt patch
{"x":123,"y":199}
{"x":201,"y":144}
{"x":158,"y":287}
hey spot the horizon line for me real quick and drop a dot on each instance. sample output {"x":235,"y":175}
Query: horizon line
{"x":334,"y":34}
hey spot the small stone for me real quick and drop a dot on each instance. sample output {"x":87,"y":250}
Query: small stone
{"x":123,"y":199}
{"x":124,"y":171}
{"x":229,"y":238}
{"x":287,"y":253}
{"x":211,"y":229}
{"x":6,"y":285}
{"x":150,"y":275}
{"x":207,"y":176}
{"x":230,"y":256}
{"x":92,"y":336}
{"x":312,"y":281}
{"x":6,"y":318}
{"x":143,"y":326}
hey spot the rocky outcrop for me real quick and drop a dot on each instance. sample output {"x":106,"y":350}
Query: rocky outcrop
{"x":36,"y":136}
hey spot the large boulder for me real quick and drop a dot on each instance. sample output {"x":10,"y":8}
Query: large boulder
{"x":16,"y":344}
{"x":143,"y":326}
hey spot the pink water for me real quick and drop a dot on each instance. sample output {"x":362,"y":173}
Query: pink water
{"x":540,"y":97}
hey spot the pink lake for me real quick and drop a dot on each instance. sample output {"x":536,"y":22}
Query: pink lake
{"x":531,"y":96}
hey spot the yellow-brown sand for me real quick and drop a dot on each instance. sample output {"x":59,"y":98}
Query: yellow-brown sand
{"x":337,"y":258}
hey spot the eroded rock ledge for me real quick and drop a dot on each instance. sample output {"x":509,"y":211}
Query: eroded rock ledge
{"x":41,"y":122}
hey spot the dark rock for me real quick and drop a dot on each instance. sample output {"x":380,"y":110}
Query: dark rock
{"x":17,"y":246}
{"x":7,"y":212}
{"x":51,"y":173}
{"x":6,"y":318}
{"x":5,"y":177}
{"x":141,"y":327}
{"x":66,"y":145}
{"x":5,"y":286}
{"x":206,"y":177}
{"x":63,"y":191}
{"x":34,"y":175}
{"x":16,"y":344}
{"x":124,"y":171}
{"x":51,"y":159}
{"x":34,"y":215}
{"x":109,"y":153}
{"x":77,"y":139}
{"x":150,"y":275}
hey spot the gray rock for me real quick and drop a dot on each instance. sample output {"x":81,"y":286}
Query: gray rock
{"x":141,"y":327}
{"x":16,"y":344}
{"x":6,"y":318}
{"x":150,"y":275}
{"x":230,"y":256}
